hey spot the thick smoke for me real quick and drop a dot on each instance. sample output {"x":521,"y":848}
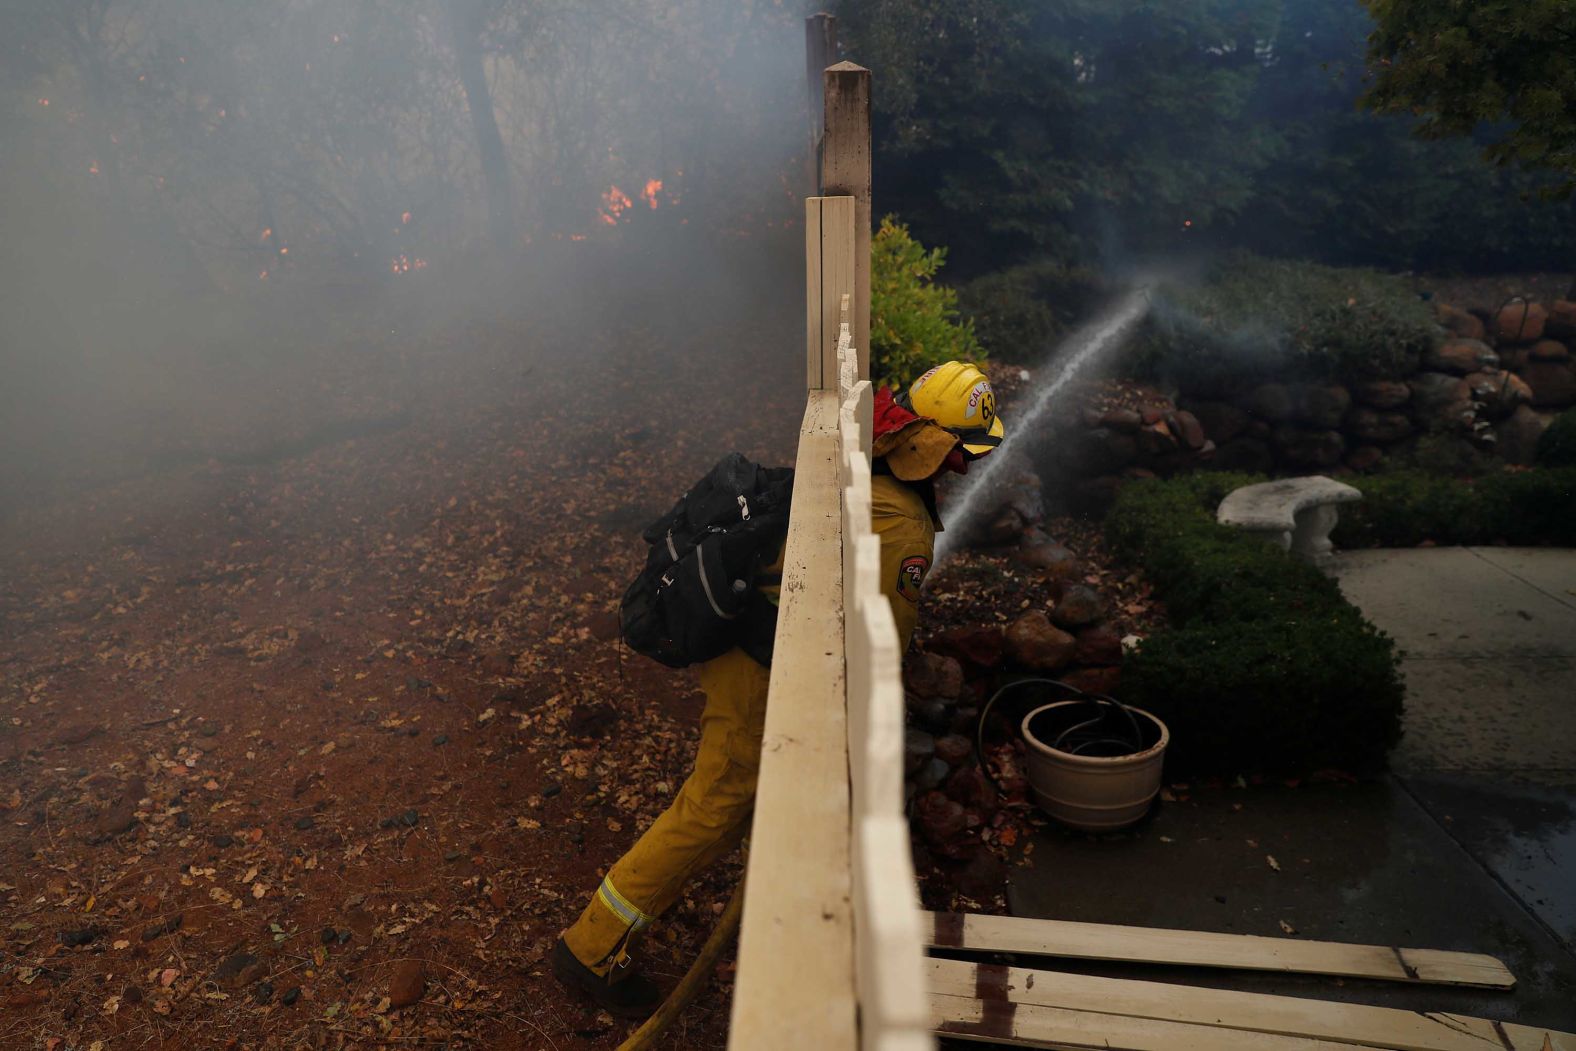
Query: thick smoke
{"x":196,"y":195}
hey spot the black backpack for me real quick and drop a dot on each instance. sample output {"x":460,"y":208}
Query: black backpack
{"x":697,"y":597}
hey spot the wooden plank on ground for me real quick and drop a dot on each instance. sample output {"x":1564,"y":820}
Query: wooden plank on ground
{"x":1254,"y":1012}
{"x":796,"y":950}
{"x":1022,"y":1025}
{"x":1099,"y":941}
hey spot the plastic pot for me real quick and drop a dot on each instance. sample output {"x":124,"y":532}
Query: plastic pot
{"x":1092,"y":792}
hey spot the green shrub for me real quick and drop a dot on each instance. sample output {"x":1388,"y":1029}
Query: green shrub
{"x":913,"y":321}
{"x":1406,"y":508}
{"x":1557,"y":445}
{"x":1255,"y":319}
{"x":1019,"y":312}
{"x":1267,"y":668}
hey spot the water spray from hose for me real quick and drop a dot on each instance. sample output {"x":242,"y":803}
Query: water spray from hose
{"x":1105,"y":333}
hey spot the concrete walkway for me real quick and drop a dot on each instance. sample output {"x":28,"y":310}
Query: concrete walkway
{"x":1469,"y":844}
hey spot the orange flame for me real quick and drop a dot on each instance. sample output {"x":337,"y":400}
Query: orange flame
{"x":615,"y":202}
{"x":649,"y":194}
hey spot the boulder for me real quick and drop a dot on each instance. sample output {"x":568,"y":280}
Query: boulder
{"x":1272,"y":401}
{"x":1518,"y":435}
{"x":1034,"y":642}
{"x":1079,"y":606}
{"x":1124,"y":420}
{"x":1249,"y":455}
{"x":1188,"y":428}
{"x":1221,"y":421}
{"x":970,"y":788}
{"x":1365,"y":458}
{"x":1461,"y":356}
{"x":931,"y":676}
{"x":1157,"y":439}
{"x":1514,"y":358}
{"x":954,"y":749}
{"x":1499,"y":392}
{"x":1102,"y":450}
{"x":1520,"y":322}
{"x":1099,"y":645}
{"x":931,"y":774}
{"x":1562,"y":320}
{"x":1377,"y":428}
{"x":1045,"y":555}
{"x":977,"y":648}
{"x":918,"y":747}
{"x":1322,"y":405}
{"x":1005,"y":528}
{"x":1309,"y":448}
{"x":1553,"y":384}
{"x":982,"y":877}
{"x":1549,"y":350}
{"x":1437,"y":395}
{"x":939,"y":818}
{"x":1459,"y":322}
{"x":1383,"y":394}
{"x":1094,"y":680}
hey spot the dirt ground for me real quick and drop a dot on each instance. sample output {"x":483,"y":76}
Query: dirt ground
{"x":292,"y":736}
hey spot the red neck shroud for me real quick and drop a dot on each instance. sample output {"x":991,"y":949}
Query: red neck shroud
{"x":889,"y":416}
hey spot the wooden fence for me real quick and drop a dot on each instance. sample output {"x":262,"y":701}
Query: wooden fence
{"x":831,"y":950}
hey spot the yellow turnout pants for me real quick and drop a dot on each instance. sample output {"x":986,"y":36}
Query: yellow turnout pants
{"x":706,"y":820}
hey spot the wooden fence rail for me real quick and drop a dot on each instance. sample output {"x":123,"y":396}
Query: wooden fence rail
{"x":831,"y":948}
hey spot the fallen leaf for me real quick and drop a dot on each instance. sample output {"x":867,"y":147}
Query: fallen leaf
{"x":1272,"y":862}
{"x":1288,"y":928}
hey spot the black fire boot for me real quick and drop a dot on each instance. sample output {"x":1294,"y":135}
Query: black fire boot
{"x":632,"y":996}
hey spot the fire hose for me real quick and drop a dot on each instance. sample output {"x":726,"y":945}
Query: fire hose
{"x":694,"y":979}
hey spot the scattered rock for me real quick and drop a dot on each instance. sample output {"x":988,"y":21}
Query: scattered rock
{"x":159,"y":930}
{"x":1103,"y":450}
{"x":1518,"y":435}
{"x":497,"y":664}
{"x":1079,"y":606}
{"x":592,"y":721}
{"x":304,"y":823}
{"x":440,"y":739}
{"x":1005,"y":528}
{"x":263,"y":993}
{"x":1549,"y":350}
{"x":932,"y":676}
{"x":408,"y":819}
{"x":1383,"y":394}
{"x":234,"y":966}
{"x":407,"y":984}
{"x":932,"y":774}
{"x":1553,"y":384}
{"x":969,"y":787}
{"x":1520,"y":322}
{"x":71,"y":939}
{"x":1034,"y":642}
{"x":291,"y":995}
{"x":1461,"y":356}
{"x":118,"y":818}
{"x":1379,"y":428}
{"x":1046,"y":555}
{"x":77,"y":733}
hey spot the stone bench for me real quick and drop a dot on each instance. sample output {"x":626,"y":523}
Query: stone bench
{"x":1296,"y":513}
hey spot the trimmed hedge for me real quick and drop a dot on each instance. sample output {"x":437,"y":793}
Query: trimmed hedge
{"x":1256,"y":319}
{"x":1557,"y":445}
{"x":1405,"y":508}
{"x":1267,"y":668}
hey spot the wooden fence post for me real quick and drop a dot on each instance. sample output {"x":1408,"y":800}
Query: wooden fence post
{"x":845,"y":171}
{"x":820,"y":51}
{"x":831,"y":266}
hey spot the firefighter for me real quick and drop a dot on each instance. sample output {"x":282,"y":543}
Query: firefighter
{"x":944,"y":420}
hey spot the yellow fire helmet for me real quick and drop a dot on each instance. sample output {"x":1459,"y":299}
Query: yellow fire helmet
{"x":958,"y":397}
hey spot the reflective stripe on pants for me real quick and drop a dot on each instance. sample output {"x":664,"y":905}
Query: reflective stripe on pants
{"x":708,"y":817}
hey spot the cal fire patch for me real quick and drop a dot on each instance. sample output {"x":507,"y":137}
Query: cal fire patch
{"x":910,"y":575}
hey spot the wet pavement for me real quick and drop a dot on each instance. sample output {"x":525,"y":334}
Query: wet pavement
{"x":1470,"y":844}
